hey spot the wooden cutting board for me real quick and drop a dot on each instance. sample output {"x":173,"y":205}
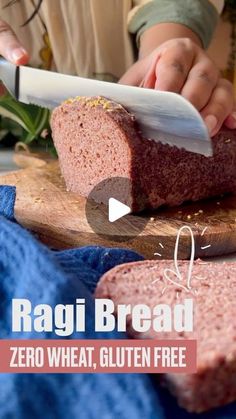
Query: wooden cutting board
{"x":58,"y":219}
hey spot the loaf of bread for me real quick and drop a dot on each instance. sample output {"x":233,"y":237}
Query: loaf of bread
{"x":97,"y":139}
{"x":213,"y":289}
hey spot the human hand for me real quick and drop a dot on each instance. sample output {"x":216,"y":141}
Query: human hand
{"x":10,"y":47}
{"x":181,"y":66}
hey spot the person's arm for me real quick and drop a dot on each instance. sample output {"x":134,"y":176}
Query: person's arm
{"x":172,"y":58}
{"x":162,"y":32}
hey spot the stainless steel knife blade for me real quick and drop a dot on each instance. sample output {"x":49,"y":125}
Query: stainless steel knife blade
{"x":162,"y":116}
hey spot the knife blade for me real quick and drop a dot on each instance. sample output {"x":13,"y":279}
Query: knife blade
{"x":162,"y":116}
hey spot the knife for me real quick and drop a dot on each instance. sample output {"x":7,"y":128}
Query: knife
{"x":162,"y":116}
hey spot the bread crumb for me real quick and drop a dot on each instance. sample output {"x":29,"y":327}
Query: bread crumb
{"x":95,"y":101}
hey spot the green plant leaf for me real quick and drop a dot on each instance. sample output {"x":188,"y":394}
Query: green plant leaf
{"x":25,"y":122}
{"x":32,"y":118}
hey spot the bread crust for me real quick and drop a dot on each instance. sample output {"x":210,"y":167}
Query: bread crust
{"x":98,"y":139}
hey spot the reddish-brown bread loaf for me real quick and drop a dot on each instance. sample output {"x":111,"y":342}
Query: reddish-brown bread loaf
{"x":213,"y":289}
{"x":97,"y":139}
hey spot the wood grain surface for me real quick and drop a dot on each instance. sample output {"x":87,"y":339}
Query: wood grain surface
{"x":58,"y":219}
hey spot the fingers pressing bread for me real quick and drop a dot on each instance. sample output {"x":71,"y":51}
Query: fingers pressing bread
{"x":181,"y":66}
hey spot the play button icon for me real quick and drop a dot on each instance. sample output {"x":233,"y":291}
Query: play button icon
{"x":108,"y":211}
{"x":117,"y":210}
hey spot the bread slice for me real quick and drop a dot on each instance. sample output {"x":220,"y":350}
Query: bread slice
{"x":97,"y":139}
{"x":213,"y":289}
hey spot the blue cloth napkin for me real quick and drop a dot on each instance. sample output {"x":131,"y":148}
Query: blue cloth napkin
{"x":30,"y":270}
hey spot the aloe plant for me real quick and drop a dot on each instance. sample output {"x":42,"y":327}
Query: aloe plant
{"x":26,"y":122}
